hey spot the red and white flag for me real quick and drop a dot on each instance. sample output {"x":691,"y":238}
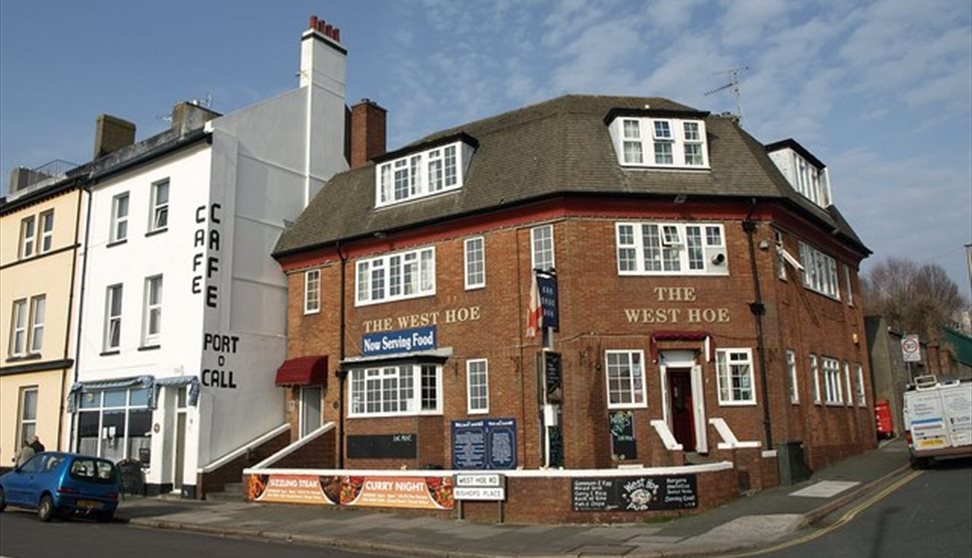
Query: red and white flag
{"x":535,"y":311}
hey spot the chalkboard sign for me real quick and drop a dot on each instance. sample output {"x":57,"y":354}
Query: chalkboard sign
{"x":145,"y":456}
{"x":553,"y":372}
{"x":623,"y":444}
{"x":556,"y":450}
{"x":484,"y":444}
{"x":639,"y":493}
{"x":384,"y":446}
{"x":132,"y":478}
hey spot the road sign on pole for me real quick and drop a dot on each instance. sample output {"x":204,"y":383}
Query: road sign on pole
{"x":910,"y":348}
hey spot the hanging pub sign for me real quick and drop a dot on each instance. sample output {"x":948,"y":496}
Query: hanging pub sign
{"x":484,"y":444}
{"x":400,"y":341}
{"x":553,"y":374}
{"x":639,"y":493}
{"x":623,"y":444}
{"x":547,"y":285}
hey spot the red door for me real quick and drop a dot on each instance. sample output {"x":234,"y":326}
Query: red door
{"x":680,"y":403}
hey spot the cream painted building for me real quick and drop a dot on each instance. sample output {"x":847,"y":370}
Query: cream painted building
{"x":41,"y":229}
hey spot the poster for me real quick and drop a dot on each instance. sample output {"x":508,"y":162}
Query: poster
{"x":484,"y":444}
{"x":288,"y":489}
{"x":636,"y":493}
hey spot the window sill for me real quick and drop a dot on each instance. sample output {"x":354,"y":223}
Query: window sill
{"x":396,"y":415}
{"x":149,"y":347}
{"x":737,"y":403}
{"x":156,"y":231}
{"x":311,"y":312}
{"x":794,"y":402}
{"x":626,"y":406}
{"x":110,"y":353}
{"x":835,"y":404}
{"x":24,"y":357}
{"x":114,"y":243}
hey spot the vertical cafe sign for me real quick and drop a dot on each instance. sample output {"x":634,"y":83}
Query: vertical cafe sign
{"x":206,"y":253}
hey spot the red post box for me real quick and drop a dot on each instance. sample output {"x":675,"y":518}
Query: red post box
{"x":882,"y":417}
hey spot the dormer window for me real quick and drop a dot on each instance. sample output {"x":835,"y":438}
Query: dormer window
{"x":423,"y":174}
{"x":803,"y":171}
{"x":660,"y":142}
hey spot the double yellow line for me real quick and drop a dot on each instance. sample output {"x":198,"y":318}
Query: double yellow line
{"x":846,"y":518}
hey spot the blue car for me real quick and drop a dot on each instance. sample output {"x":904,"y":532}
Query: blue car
{"x":63,"y":483}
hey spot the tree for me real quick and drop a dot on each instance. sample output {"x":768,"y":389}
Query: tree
{"x":912,"y":298}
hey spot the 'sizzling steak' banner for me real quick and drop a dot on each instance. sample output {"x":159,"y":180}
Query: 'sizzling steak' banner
{"x":429,"y":493}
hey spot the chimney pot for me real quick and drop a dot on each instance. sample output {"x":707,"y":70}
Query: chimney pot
{"x":337,"y":35}
{"x":329,"y":30}
{"x":313,"y":22}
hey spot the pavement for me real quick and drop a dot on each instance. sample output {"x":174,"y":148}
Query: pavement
{"x":749,"y":522}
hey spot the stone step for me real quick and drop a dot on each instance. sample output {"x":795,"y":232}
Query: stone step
{"x":232,"y":492}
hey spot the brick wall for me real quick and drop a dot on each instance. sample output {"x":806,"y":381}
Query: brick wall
{"x":319,"y":453}
{"x":231,"y":472}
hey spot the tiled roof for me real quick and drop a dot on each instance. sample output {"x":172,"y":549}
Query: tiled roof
{"x":561,"y":146}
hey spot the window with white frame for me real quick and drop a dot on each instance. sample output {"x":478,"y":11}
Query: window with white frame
{"x":113,"y":317}
{"x":152,"y":311}
{"x":47,"y":231}
{"x":119,"y":218}
{"x":734,"y":374}
{"x":849,"y":293}
{"x":820,"y":271}
{"x":477,"y":386}
{"x":542,"y":248}
{"x":38,"y":306}
{"x":833,"y":394}
{"x":18,"y":328}
{"x":791,"y":374}
{"x":114,"y":424}
{"x":847,"y":382}
{"x":400,"y":390}
{"x":159,"y":210}
{"x":421,"y":174}
{"x":475,"y":260}
{"x":780,"y":258}
{"x":815,"y":372}
{"x":811,"y":182}
{"x":861,"y":393}
{"x":625,"y":379}
{"x":27,"y":417}
{"x":312,"y":291}
{"x":28,"y":236}
{"x":660,"y":142}
{"x":670,"y":249}
{"x":396,"y":276}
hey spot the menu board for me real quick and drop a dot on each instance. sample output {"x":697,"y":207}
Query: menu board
{"x":623,"y":444}
{"x":638,"y":493}
{"x":382,"y":446}
{"x":484,"y":444}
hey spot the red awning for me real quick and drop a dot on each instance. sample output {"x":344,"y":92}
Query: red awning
{"x":303,"y":371}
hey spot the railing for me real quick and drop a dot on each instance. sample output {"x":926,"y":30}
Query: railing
{"x":661,"y":427}
{"x":243,"y":449}
{"x":729,"y":440}
{"x":294,"y":446}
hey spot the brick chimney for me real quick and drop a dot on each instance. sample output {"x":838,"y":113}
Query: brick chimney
{"x":111,"y":134}
{"x":190,"y":115}
{"x":367,"y":132}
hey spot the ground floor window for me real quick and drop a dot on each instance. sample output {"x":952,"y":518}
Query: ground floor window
{"x":404,"y":389}
{"x":114,"y":424}
{"x":815,"y":372}
{"x":861,"y":395}
{"x":27,"y":417}
{"x":833,"y":394}
{"x":734,"y":372}
{"x":791,"y":374}
{"x":625,"y":379}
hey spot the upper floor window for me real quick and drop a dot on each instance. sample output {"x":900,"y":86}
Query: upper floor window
{"x":625,"y":379}
{"x":421,"y":174}
{"x":38,"y":306}
{"x":28,"y":237}
{"x":152,"y":311}
{"x":312,"y":291}
{"x":475,"y":256}
{"x":119,"y":218}
{"x":47,"y":231}
{"x":820,"y":271}
{"x":542,"y":248}
{"x":396,"y":276}
{"x":670,"y":249}
{"x":407,"y":389}
{"x":159,"y":210}
{"x":660,"y":142}
{"x":18,"y":328}
{"x":847,"y":286}
{"x":27,"y":326}
{"x":734,"y":374}
{"x":113,"y":317}
{"x":477,"y":386}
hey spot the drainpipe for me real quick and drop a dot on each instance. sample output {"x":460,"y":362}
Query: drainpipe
{"x":84,"y":273}
{"x":759,"y":310}
{"x":342,"y":374}
{"x":67,"y":344}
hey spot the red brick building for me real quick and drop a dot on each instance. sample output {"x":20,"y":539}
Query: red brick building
{"x":706,"y":294}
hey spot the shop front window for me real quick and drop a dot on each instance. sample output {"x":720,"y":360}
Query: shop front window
{"x":114,"y":424}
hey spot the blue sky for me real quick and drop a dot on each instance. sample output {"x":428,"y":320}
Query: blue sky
{"x":881,"y":91}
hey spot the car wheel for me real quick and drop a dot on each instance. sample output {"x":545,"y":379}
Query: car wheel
{"x":45,"y":509}
{"x":105,"y":517}
{"x":3,"y":500}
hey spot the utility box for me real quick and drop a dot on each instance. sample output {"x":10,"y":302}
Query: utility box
{"x":791,"y":462}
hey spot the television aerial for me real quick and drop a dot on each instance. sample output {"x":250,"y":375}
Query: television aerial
{"x":733,"y":85}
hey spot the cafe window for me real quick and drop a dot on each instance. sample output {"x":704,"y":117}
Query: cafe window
{"x":625,"y":379}
{"x":114,"y":424}
{"x":401,"y":390}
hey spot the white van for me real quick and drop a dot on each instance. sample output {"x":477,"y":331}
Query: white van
{"x":938,"y":420}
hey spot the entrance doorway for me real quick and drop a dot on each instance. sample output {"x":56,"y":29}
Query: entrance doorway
{"x":680,"y":403}
{"x":179,"y":455}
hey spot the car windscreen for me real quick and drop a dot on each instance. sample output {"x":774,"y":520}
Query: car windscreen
{"x":93,"y":470}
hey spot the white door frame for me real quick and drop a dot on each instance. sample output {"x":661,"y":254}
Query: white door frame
{"x":698,"y":399}
{"x":685,"y":359}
